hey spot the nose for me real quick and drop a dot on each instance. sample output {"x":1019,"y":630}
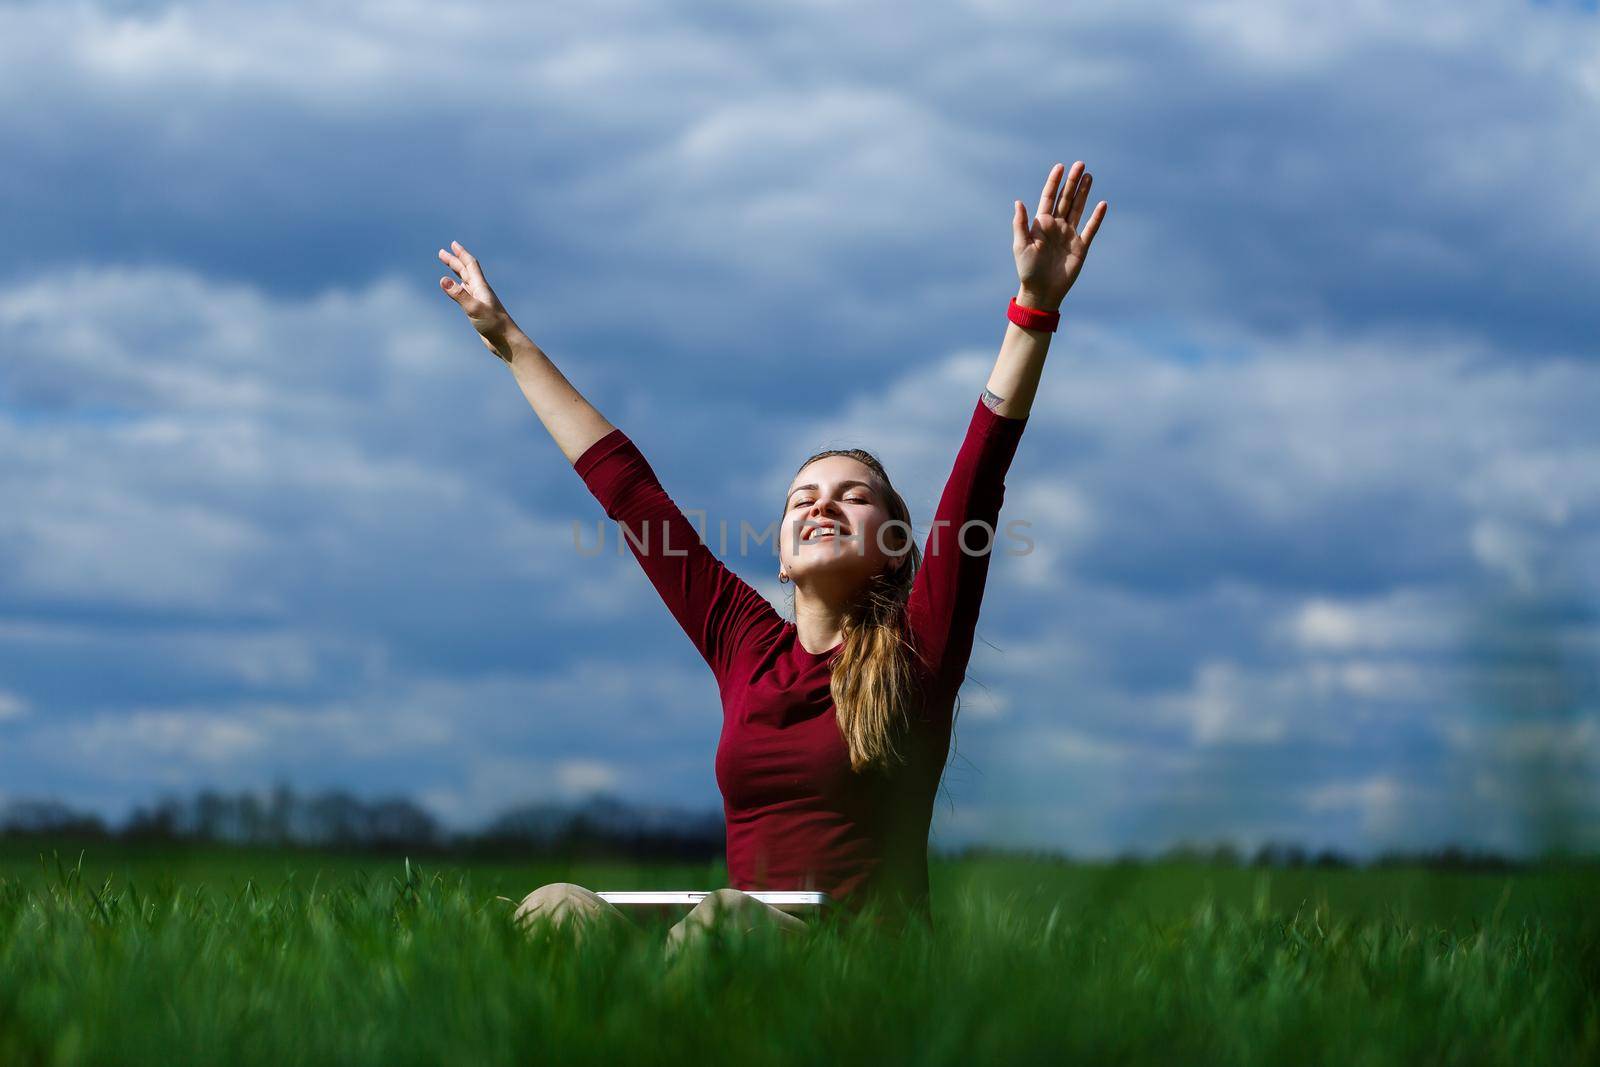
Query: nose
{"x":824,"y":507}
{"x":815,"y":513}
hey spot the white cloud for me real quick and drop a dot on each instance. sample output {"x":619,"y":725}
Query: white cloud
{"x":1378,"y":799}
{"x":463,"y":742}
{"x":580,"y":776}
{"x":490,"y":784}
{"x":115,"y":741}
{"x":12,"y":706}
{"x":1502,"y":547}
{"x":1077,"y":747}
{"x":247,"y":733}
{"x":1330,"y":701}
{"x":1376,"y":679}
{"x":1403,"y":620}
{"x":1221,"y":706}
{"x":107,"y":547}
{"x":1574,"y":738}
{"x":247,"y":438}
{"x":1307,"y":39}
{"x":222,"y":49}
{"x":1053,"y":519}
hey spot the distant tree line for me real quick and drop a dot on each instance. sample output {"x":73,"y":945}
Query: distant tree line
{"x":1289,"y":855}
{"x":599,"y":826}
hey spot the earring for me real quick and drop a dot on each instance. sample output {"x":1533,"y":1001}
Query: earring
{"x":784,"y":578}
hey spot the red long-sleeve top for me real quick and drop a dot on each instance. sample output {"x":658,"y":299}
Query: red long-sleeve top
{"x":797,"y":816}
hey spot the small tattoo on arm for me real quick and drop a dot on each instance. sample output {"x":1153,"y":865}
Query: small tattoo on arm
{"x":991,"y":401}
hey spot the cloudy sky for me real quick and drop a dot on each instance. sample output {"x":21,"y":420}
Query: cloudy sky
{"x":1313,"y":474}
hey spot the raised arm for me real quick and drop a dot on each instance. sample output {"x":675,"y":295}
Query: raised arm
{"x":942,"y":610}
{"x":715,"y":607}
{"x":575,"y":423}
{"x":948,"y":591}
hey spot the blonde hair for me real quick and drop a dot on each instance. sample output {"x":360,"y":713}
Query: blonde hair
{"x":873,"y":684}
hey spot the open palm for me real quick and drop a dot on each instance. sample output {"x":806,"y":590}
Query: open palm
{"x":1050,"y":251}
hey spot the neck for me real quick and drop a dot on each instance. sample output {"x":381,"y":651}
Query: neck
{"x":818,"y":619}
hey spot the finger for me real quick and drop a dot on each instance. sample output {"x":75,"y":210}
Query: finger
{"x":474,"y":273}
{"x":1075,"y":212}
{"x":453,"y":263}
{"x":1019,"y":224}
{"x":1048,"y":197}
{"x":1094,"y":224}
{"x":1069,"y":190}
{"x":454,"y":289}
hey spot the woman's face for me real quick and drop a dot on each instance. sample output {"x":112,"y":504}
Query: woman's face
{"x":832,"y":520}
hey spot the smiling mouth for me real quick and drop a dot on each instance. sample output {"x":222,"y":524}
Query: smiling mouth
{"x":818,"y":532}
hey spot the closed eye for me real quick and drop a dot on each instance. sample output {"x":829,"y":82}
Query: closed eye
{"x":847,"y":500}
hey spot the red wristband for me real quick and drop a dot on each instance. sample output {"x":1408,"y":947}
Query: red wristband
{"x":1032,"y":318}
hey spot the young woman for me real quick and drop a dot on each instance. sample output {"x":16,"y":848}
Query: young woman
{"x":836,"y":726}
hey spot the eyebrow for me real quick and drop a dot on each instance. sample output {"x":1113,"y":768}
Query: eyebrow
{"x":847,"y":484}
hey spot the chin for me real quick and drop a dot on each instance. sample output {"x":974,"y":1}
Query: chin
{"x":841,"y":564}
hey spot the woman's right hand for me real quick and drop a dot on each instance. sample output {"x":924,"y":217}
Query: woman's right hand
{"x":484,"y":310}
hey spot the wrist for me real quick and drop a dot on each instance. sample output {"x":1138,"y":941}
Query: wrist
{"x":513,"y":344}
{"x":1039,"y":301}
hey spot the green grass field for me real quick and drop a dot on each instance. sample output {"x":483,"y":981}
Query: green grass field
{"x":219,"y":956}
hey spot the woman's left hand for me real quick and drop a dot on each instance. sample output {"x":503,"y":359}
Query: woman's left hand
{"x":1050,"y":252}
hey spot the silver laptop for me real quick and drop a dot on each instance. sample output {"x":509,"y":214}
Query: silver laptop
{"x":805,"y":903}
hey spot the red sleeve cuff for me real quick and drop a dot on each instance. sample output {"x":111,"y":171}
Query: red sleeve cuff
{"x":598,"y":451}
{"x":991,"y":421}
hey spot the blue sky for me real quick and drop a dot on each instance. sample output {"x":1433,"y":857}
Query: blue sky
{"x":1313,"y":474}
